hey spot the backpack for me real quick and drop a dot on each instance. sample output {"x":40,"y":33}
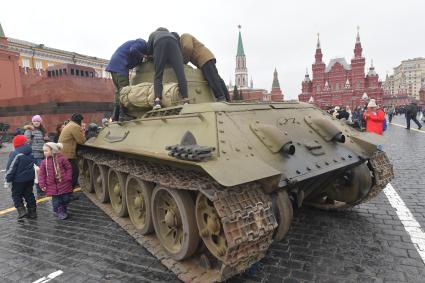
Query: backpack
{"x":385,"y":126}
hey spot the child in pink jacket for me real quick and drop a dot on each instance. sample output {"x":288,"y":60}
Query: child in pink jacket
{"x":55,"y":178}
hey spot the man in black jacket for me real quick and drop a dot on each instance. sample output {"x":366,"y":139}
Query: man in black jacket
{"x":165,"y":49}
{"x":411,"y":113}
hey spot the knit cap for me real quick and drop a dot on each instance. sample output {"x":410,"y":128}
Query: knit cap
{"x":55,"y":147}
{"x":37,"y":118}
{"x":19,"y":140}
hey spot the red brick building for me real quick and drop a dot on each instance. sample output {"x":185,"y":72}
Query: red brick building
{"x":54,"y":94}
{"x":340,"y":83}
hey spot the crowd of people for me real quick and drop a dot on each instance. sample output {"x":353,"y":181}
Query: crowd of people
{"x":372,"y":117}
{"x":49,"y":165}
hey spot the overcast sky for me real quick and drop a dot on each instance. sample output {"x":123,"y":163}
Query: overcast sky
{"x":279,"y":34}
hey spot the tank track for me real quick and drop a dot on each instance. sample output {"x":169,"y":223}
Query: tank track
{"x":245,"y":211}
{"x":383,"y":173}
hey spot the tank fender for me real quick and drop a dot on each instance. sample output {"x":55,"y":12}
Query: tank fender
{"x":325,"y":128}
{"x":369,"y":142}
{"x":273,"y":138}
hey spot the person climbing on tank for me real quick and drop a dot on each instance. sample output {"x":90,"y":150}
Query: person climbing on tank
{"x":199,"y":55}
{"x":126,"y":57}
{"x":165,"y":49}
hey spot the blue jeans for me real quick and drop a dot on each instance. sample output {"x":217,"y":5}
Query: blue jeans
{"x":60,"y":200}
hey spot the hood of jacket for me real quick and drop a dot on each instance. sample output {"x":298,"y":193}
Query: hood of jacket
{"x":25,"y":149}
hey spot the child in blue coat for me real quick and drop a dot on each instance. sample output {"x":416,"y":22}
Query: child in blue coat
{"x":20,"y":177}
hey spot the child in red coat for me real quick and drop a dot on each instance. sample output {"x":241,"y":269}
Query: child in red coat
{"x":55,"y":178}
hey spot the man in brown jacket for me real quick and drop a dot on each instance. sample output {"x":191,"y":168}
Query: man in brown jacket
{"x":195,"y":52}
{"x":71,"y":135}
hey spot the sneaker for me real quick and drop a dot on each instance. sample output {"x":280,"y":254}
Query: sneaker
{"x":420,"y":127}
{"x":157,"y":104}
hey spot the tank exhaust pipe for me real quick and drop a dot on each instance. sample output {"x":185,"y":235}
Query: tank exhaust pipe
{"x":339,"y":138}
{"x":289,"y":148}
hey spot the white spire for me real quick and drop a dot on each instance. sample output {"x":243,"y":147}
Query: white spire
{"x":318,"y":41}
{"x":358,"y":35}
{"x":306,"y":77}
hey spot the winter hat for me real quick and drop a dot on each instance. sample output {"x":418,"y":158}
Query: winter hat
{"x":19,"y":140}
{"x":372,"y":103}
{"x":36,"y":118}
{"x":55,"y":147}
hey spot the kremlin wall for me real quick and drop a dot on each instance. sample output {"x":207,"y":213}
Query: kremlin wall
{"x":54,"y":93}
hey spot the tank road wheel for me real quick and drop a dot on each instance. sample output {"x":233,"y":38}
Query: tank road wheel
{"x":173,"y":214}
{"x":100,"y":182}
{"x":284,"y":213}
{"x":87,"y":174}
{"x":138,"y":197}
{"x":210,"y":228}
{"x":116,"y":190}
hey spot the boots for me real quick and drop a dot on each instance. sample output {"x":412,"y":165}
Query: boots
{"x":22,"y":212}
{"x":62,"y":212}
{"x":124,"y":116}
{"x":32,"y":212}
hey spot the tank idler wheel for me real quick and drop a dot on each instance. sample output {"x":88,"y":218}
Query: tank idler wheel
{"x":87,"y":172}
{"x":116,"y":190}
{"x":138,"y":197}
{"x":210,"y":227}
{"x":100,"y":182}
{"x":173,"y":214}
{"x":284,"y":214}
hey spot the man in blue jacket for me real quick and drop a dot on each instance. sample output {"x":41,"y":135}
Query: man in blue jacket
{"x":125,"y":58}
{"x":20,"y":174}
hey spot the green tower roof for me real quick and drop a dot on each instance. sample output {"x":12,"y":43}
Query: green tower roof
{"x":1,"y":32}
{"x":240,"y":51}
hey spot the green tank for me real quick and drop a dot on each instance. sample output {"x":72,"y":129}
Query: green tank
{"x":208,"y":186}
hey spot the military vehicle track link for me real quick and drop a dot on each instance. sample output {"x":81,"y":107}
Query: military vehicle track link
{"x":245,"y":212}
{"x":383,"y":173}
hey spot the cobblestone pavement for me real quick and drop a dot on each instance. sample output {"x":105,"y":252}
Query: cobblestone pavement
{"x":365,"y":244}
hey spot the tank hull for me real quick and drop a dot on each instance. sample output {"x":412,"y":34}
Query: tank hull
{"x":217,"y":182}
